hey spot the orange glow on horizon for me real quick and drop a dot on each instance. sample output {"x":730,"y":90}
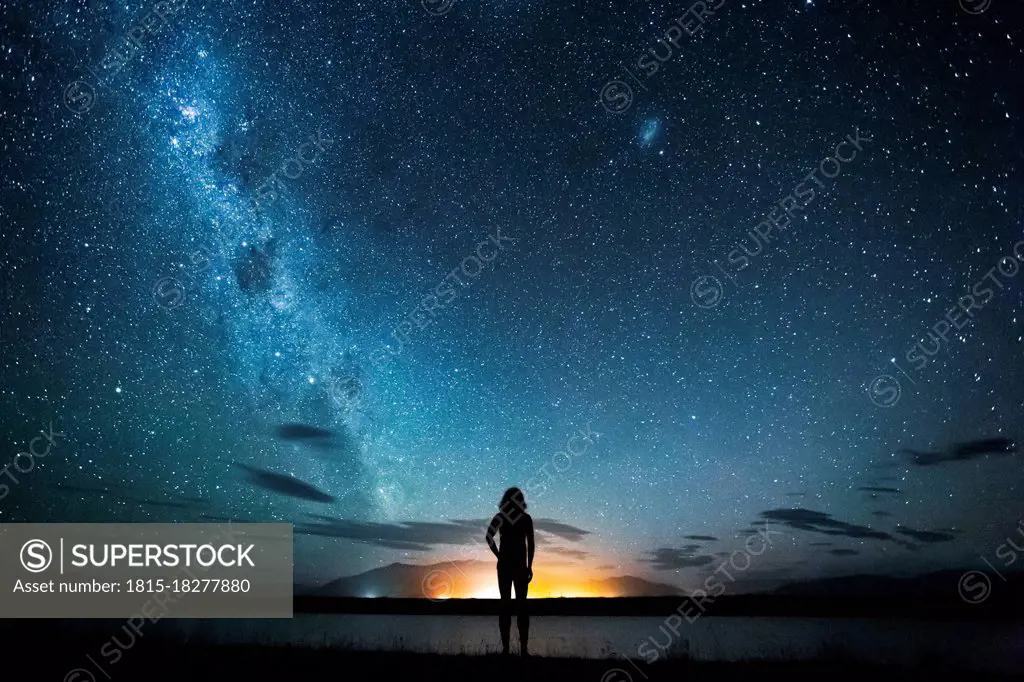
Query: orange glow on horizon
{"x":537,"y":590}
{"x":549,"y":583}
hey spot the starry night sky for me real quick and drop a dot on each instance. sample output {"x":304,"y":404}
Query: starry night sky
{"x":245,"y":275}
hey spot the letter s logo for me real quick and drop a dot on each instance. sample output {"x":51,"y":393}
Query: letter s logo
{"x":36,"y":556}
{"x":168,"y":293}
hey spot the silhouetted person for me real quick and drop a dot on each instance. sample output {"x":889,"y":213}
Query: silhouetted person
{"x":515,"y":563}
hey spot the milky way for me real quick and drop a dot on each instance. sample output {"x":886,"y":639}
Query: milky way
{"x":367,"y":264}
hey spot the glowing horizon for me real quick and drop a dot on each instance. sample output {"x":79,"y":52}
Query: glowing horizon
{"x":481,"y":583}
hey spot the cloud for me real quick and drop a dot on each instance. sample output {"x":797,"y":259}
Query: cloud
{"x":843,"y":552}
{"x":569,"y":552}
{"x":879,"y":489}
{"x":671,"y":559}
{"x":562,"y":530}
{"x":283,"y":484}
{"x":926,"y":536}
{"x":318,"y":438}
{"x":414,"y":536}
{"x":963,"y":451}
{"x":422,"y":536}
{"x":820,"y":522}
{"x":302,"y":432}
{"x":750,"y":531}
{"x":702,"y":538}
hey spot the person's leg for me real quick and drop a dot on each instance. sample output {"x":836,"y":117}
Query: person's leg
{"x":522,"y":616}
{"x":504,"y":614}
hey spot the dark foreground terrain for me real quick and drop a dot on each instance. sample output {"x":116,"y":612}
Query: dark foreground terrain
{"x":185,"y":662}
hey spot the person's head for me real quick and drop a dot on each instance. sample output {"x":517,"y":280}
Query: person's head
{"x":512,"y":502}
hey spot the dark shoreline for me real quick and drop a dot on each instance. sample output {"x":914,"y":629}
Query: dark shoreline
{"x":109,"y":651}
{"x":155,"y":661}
{"x":750,"y":606}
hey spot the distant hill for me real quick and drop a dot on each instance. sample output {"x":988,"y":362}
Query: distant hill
{"x":631,"y":586}
{"x":457,"y":578}
{"x":942,"y":584}
{"x":402,"y":588}
{"x":402,"y":581}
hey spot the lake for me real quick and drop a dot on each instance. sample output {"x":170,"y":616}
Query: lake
{"x":980,"y":646}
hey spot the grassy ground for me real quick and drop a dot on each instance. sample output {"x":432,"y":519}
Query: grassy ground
{"x":157,"y":661}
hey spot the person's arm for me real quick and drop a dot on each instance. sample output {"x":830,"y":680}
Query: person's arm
{"x":531,"y":545}
{"x":492,"y":528}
